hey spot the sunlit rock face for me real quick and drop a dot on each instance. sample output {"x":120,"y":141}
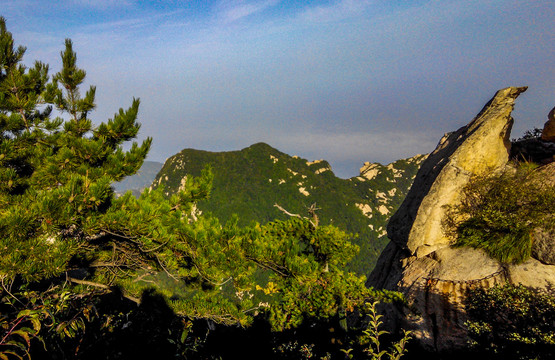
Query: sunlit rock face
{"x":479,"y":147}
{"x":419,"y":261}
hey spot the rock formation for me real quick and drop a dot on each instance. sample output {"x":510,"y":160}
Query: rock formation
{"x":480,"y":147}
{"x":419,"y":261}
{"x":548,"y":133}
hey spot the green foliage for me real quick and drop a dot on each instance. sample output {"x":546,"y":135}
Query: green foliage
{"x":55,"y":175}
{"x":17,"y":333}
{"x":498,"y":213}
{"x":371,"y":338}
{"x":512,"y":322}
{"x":41,"y":317}
{"x":306,"y":264}
{"x":91,"y":325}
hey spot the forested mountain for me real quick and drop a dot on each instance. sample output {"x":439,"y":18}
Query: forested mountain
{"x":249,"y":182}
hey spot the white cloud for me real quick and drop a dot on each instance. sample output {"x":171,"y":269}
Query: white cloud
{"x":103,"y":4}
{"x":232,"y":10}
{"x":334,"y":12}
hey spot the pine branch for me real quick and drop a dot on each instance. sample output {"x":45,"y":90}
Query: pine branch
{"x":132,"y":240}
{"x":311,"y":210}
{"x":102,"y":286}
{"x":281,"y":270}
{"x":210,"y":281}
{"x":287,"y":212}
{"x":89,"y":283}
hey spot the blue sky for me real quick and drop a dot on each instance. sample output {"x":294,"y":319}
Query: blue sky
{"x":344,"y":80}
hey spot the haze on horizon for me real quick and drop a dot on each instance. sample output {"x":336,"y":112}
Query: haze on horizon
{"x":344,"y":80}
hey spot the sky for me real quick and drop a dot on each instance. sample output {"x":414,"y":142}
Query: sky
{"x":342,"y":80}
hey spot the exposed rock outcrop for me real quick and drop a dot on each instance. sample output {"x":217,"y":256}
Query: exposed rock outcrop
{"x":480,"y":147}
{"x":419,"y":261}
{"x":548,"y":133}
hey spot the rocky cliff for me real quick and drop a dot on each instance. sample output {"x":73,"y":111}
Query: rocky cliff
{"x":420,"y":262}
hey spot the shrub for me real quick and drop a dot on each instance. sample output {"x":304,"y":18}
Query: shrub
{"x":512,"y":321}
{"x":500,"y":212}
{"x":534,"y":133}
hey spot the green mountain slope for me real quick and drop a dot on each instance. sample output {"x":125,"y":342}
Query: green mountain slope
{"x":250,"y":181}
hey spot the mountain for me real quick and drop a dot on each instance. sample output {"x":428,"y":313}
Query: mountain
{"x":249,"y":182}
{"x":142,"y":179}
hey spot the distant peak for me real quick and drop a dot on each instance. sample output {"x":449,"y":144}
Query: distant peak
{"x":260,"y":145}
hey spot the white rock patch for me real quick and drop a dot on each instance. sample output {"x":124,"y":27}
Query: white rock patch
{"x":383,"y":210}
{"x":381,"y":197}
{"x":366,"y":209}
{"x":182,"y":183}
{"x":292,"y":172}
{"x":313,"y":162}
{"x":369,"y":170}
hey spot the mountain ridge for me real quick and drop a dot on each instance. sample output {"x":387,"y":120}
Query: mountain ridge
{"x":250,"y":181}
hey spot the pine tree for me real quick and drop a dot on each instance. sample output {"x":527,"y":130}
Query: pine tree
{"x":55,"y":175}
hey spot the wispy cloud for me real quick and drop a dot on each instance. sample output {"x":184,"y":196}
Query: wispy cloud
{"x":335,"y":11}
{"x":230,"y":11}
{"x":104,"y":4}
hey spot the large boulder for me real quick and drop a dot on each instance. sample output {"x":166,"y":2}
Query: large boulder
{"x":419,"y":261}
{"x":543,"y":247}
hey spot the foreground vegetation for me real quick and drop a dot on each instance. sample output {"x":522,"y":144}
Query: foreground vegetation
{"x":512,"y":322}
